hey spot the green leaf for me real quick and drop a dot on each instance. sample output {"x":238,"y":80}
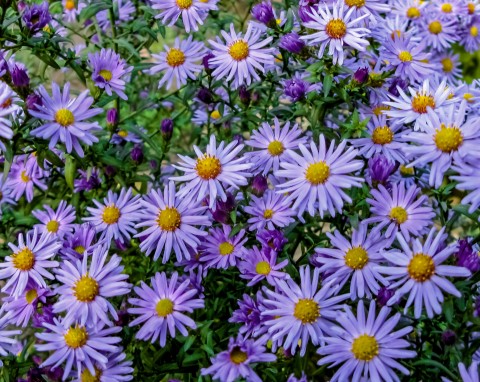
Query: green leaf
{"x":70,"y":170}
{"x":94,"y":8}
{"x":436,"y":365}
{"x":53,"y":158}
{"x":448,"y":310}
{"x":48,"y":59}
{"x":327,"y":84}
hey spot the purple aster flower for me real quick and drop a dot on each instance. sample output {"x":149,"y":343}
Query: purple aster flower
{"x":296,"y":88}
{"x":116,"y":369}
{"x":305,"y":12}
{"x":257,"y":266}
{"x":249,"y":314}
{"x":162,"y":308}
{"x":23,"y":176}
{"x":318,"y":177}
{"x":292,"y":43}
{"x":366,"y":345}
{"x":380,"y":168}
{"x":214,"y":169}
{"x":171,"y":224}
{"x":336,"y":27}
{"x":20,"y":77}
{"x":57,"y":223}
{"x":6,"y":339}
{"x":86,"y":286}
{"x":43,"y":315}
{"x":399,"y":210}
{"x":263,"y":12}
{"x":108,"y":71}
{"x":419,"y":273}
{"x":467,"y":257}
{"x":239,"y":56}
{"x":270,"y":144}
{"x":237,"y":361}
{"x":437,"y":33}
{"x":77,"y":345}
{"x":193,"y":12}
{"x":354,"y":260}
{"x":116,"y":217}
{"x":361,"y":75}
{"x":36,"y":16}
{"x":66,"y":119}
{"x":272,"y":239}
{"x":446,"y":137}
{"x":270,"y":211}
{"x":451,"y":67}
{"x":80,"y":240}
{"x":21,"y":308}
{"x":89,"y":180}
{"x":295,"y":310}
{"x":470,"y":36}
{"x":122,"y":136}
{"x":219,"y":250}
{"x":72,"y":9}
{"x":471,"y":374}
{"x":372,"y":8}
{"x":179,"y":62}
{"x":29,"y":262}
{"x":222,"y":211}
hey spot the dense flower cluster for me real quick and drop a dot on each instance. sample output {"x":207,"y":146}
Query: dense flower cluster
{"x":207,"y":190}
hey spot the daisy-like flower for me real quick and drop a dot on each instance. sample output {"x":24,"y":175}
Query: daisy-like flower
{"x":335,"y":28}
{"x":414,"y":108}
{"x":219,"y":250}
{"x":445,"y":138}
{"x":384,"y":139}
{"x":214,"y":169}
{"x":65,"y":119}
{"x":77,"y":345}
{"x":75,"y":244}
{"x":179,"y":62}
{"x":22,"y":178}
{"x":419,"y":273}
{"x":319,"y":177}
{"x":450,"y":67}
{"x":6,"y":339}
{"x":470,"y":36}
{"x":410,"y":9}
{"x":372,"y":8}
{"x":270,"y":211}
{"x":355,"y":260}
{"x":237,"y":361}
{"x":270,"y":145}
{"x":408,"y":58}
{"x":301,"y":312}
{"x":116,"y":217}
{"x":257,"y":266}
{"x":249,"y":314}
{"x":29,"y":262}
{"x":87,"y":287}
{"x":193,"y":12}
{"x":171,"y":224}
{"x":162,"y":308}
{"x":108,"y":71}
{"x":240,"y":56}
{"x":116,"y":369}
{"x":367,"y":346}
{"x":57,"y":223}
{"x":72,"y":9}
{"x":399,"y":210}
{"x":448,"y":9}
{"x":21,"y":308}
{"x":439,"y":34}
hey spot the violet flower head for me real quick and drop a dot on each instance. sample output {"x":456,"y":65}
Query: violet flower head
{"x":206,"y":61}
{"x":304,"y":12}
{"x":36,"y":16}
{"x":137,"y":154}
{"x":467,"y":257}
{"x":295,"y":88}
{"x":88,"y":180}
{"x":223,"y":209}
{"x":205,"y":95}
{"x":33,"y":99}
{"x":166,"y":129}
{"x":292,"y":43}
{"x":244,"y":94}
{"x":263,"y":12}
{"x":384,"y":294}
{"x":380,"y":169}
{"x":112,"y":117}
{"x":259,"y":185}
{"x":361,"y":75}
{"x":273,"y":240}
{"x":20,"y":77}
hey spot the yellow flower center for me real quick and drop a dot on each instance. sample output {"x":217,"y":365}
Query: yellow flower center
{"x":215,"y":114}
{"x":239,"y":50}
{"x":208,"y":167}
{"x":420,"y":102}
{"x":448,"y":138}
{"x":263,"y":268}
{"x":275,"y":148}
{"x":356,"y":258}
{"x":69,"y":5}
{"x":86,"y":289}
{"x":76,"y":337}
{"x":226,"y":248}
{"x":64,"y":117}
{"x":278,"y":21}
{"x":123,"y":133}
{"x":471,"y":8}
{"x":31,"y":295}
{"x":237,"y":356}
{"x":382,"y":135}
{"x":105,"y":74}
{"x":164,"y":307}
{"x":317,"y":173}
{"x":111,"y":214}
{"x":47,"y":29}
{"x":25,"y":178}
{"x":399,"y":214}
{"x":447,"y":8}
{"x":175,"y":57}
{"x":395,"y":32}
{"x":404,"y":170}
{"x":365,"y":348}
{"x":169,"y":219}
{"x":468,"y":97}
{"x":24,"y":259}
{"x":413,"y":13}
{"x":268,"y":213}
{"x":405,"y":56}
{"x":421,"y":268}
{"x":52,"y":226}
{"x":79,"y":249}
{"x":435,"y":27}
{"x":336,"y":28}
{"x":447,"y":65}
{"x":378,"y":110}
{"x":474,"y":31}
{"x":306,"y":310}
{"x":355,"y":3}
{"x":184,"y":4}
{"x":88,"y":377}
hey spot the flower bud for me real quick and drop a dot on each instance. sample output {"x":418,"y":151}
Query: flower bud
{"x":263,"y":12}
{"x":206,"y":62}
{"x":244,"y":94}
{"x":292,"y":42}
{"x":33,"y":100}
{"x":112,"y":117}
{"x":205,"y":95}
{"x":167,"y":129}
{"x":449,"y":337}
{"x":259,"y":185}
{"x":361,"y":75}
{"x":137,"y":154}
